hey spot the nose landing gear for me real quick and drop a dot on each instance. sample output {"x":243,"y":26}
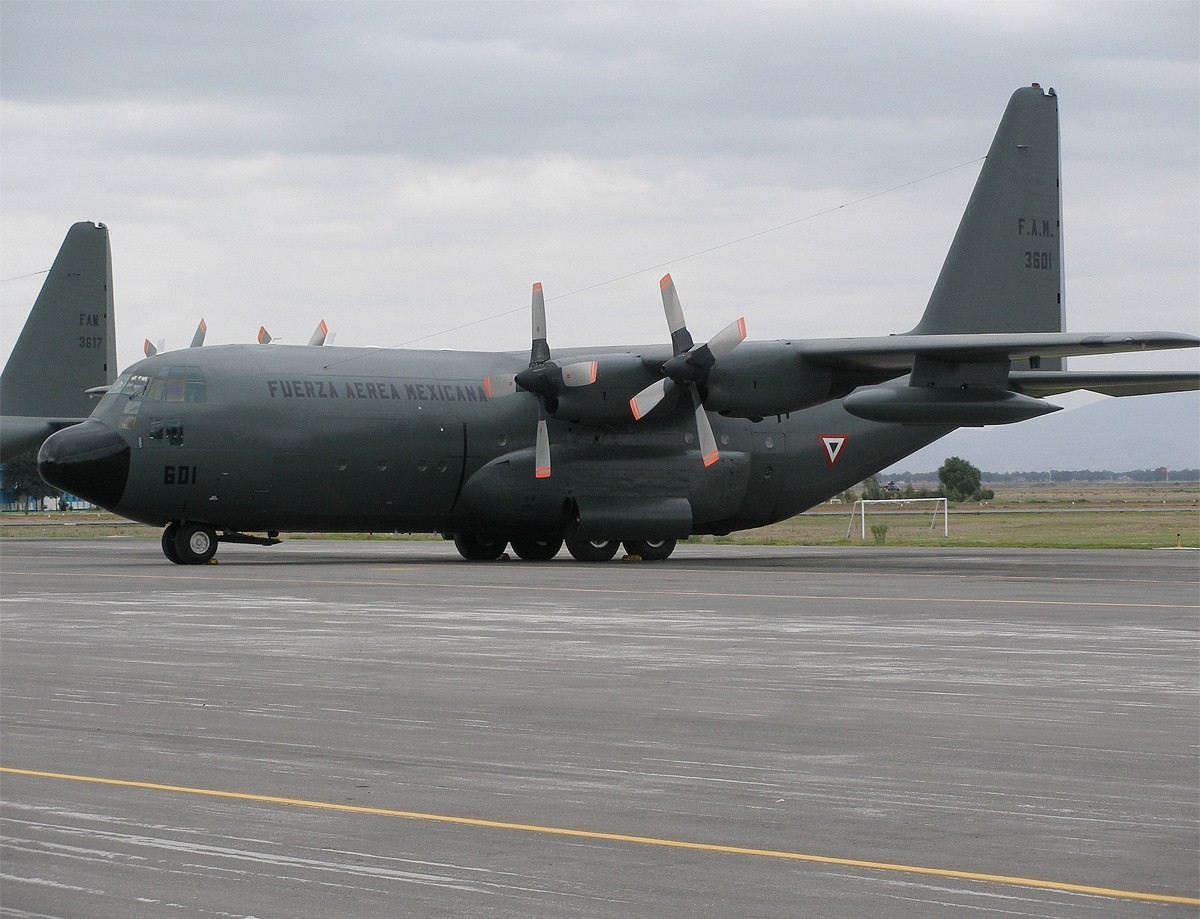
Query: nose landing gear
{"x":189,"y":543}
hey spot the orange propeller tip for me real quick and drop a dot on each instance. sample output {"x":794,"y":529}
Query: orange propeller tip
{"x":711,"y":458}
{"x":664,"y":280}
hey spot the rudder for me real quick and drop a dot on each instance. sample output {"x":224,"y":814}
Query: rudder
{"x":68,"y":344}
{"x":1004,"y":270}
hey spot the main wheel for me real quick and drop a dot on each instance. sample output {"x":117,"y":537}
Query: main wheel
{"x":195,"y":543}
{"x":476,"y":548}
{"x":593,"y":550}
{"x":651,"y":550}
{"x":168,"y":543}
{"x":537,"y":550}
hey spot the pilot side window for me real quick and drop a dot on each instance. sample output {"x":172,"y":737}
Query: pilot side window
{"x":129,"y":415}
{"x":166,"y":432}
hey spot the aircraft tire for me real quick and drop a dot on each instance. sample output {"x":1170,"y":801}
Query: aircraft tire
{"x":650,"y":550}
{"x":536,"y":550}
{"x":476,"y":548}
{"x":593,"y":550}
{"x":195,"y":543}
{"x":168,"y":543}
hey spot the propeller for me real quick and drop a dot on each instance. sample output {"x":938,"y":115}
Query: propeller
{"x":689,"y":367}
{"x":150,"y":348}
{"x":543,"y":378}
{"x":317,"y":339}
{"x":318,"y":336}
{"x":198,"y":338}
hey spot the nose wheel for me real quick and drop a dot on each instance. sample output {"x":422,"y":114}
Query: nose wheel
{"x":189,"y":543}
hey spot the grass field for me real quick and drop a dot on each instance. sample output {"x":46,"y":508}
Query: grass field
{"x":1068,"y":515}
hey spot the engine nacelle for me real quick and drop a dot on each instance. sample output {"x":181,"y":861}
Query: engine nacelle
{"x":964,"y":407}
{"x":762,"y":378}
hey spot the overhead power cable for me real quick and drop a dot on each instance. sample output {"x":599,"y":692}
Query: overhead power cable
{"x":683,"y":258}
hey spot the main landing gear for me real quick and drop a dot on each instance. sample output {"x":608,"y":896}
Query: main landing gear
{"x":476,"y":548}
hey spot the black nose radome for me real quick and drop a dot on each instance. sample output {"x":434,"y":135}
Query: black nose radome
{"x":89,"y":460}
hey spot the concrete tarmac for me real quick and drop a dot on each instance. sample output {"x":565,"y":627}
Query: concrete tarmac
{"x":370,"y":729}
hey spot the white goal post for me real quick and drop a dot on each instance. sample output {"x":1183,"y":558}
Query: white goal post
{"x":943,"y":502}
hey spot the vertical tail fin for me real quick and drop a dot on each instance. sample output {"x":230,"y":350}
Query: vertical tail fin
{"x":68,"y":344}
{"x":1004,"y":270}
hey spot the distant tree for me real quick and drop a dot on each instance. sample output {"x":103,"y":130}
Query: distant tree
{"x":21,"y":479}
{"x":872,"y":490}
{"x":961,"y":481}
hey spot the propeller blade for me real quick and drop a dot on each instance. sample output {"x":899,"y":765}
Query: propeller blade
{"x":264,"y":337}
{"x":198,"y":338}
{"x":318,"y":335}
{"x":581,"y":374}
{"x":708,"y":443}
{"x":727,"y":339}
{"x":539,"y":351}
{"x":541,"y":466}
{"x":148,"y":349}
{"x":681,"y":338}
{"x":649,"y":397}
{"x":496,"y":387}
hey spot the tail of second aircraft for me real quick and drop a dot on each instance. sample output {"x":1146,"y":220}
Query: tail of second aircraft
{"x":68,"y":344}
{"x":1004,"y":270}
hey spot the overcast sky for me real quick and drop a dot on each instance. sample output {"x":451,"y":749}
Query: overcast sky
{"x":405,"y":169}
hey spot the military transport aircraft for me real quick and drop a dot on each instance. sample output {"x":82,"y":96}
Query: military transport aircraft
{"x":66,"y":348}
{"x":598,"y":447}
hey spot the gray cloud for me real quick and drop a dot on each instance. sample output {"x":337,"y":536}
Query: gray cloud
{"x":406,"y":168}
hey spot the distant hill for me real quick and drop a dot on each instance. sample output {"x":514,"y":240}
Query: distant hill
{"x":1138,"y":432}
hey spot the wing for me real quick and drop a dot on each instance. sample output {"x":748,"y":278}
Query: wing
{"x":970,"y":380}
{"x":899,"y":352}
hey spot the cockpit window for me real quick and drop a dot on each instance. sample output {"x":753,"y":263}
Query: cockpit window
{"x":177,"y":384}
{"x":131,"y":384}
{"x":195,"y":389}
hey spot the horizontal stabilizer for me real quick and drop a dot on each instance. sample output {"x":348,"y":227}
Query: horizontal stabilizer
{"x":1051,"y":383}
